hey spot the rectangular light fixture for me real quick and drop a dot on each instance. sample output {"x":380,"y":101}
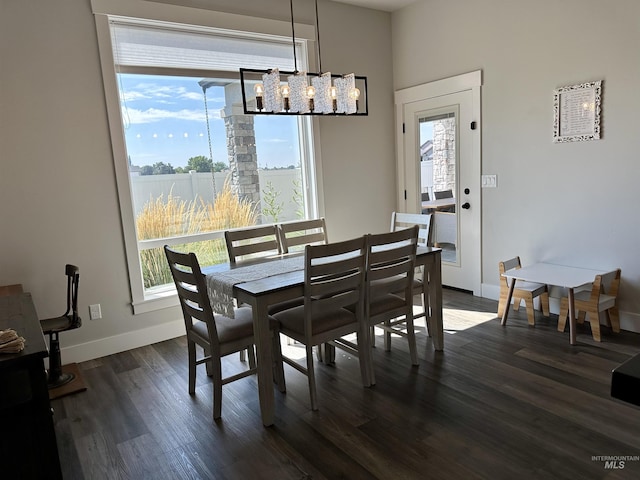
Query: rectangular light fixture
{"x":274,"y":92}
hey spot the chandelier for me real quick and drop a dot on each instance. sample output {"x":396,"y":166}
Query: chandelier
{"x":275,"y":92}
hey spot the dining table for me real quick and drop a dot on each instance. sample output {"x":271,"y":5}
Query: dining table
{"x":278,"y":278}
{"x":438,"y":203}
{"x":564,"y":276}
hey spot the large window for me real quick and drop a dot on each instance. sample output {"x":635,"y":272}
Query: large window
{"x":189,"y":163}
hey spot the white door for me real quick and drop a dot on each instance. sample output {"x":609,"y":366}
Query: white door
{"x":439,"y":158}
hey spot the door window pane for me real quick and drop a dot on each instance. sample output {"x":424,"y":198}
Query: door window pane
{"x":438,"y":179}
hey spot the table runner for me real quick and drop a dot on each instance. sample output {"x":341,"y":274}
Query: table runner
{"x":220,"y":284}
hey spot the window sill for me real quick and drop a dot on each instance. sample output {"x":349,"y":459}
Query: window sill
{"x":156,"y":299}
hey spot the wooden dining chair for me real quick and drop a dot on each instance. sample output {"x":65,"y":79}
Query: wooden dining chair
{"x":216,"y":334}
{"x":248,"y":243}
{"x":602,"y":297}
{"x":526,"y":291}
{"x":425,"y":239}
{"x":333,"y":281}
{"x":389,"y":286}
{"x":445,"y":194}
{"x":295,"y":236}
{"x":302,"y":232}
{"x":251,"y":243}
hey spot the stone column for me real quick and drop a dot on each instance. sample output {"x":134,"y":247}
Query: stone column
{"x":444,"y":158}
{"x":241,"y":147}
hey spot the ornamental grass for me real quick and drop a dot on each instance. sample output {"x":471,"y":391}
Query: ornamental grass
{"x":174,"y":217}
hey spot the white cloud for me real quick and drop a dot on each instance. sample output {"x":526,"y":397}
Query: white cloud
{"x":152,"y":91}
{"x":192,"y":96}
{"x":151,"y":115}
{"x":132,"y":96}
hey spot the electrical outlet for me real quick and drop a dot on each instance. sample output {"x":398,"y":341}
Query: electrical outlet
{"x":95,"y":312}
{"x":489,"y":181}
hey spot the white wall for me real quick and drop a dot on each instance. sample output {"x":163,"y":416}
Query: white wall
{"x":566,"y":203}
{"x":53,"y":122}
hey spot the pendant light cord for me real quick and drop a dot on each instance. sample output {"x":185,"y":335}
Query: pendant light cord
{"x":318,"y":37}
{"x":293,"y":40}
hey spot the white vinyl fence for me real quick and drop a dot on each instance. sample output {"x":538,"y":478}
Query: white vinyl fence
{"x":189,"y":186}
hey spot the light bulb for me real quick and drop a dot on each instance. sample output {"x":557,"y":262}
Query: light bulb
{"x":333,"y":91}
{"x":285,"y":90}
{"x":258,"y":88}
{"x":355,"y":95}
{"x":311,"y":92}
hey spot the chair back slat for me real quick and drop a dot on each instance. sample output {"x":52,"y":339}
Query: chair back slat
{"x":611,"y":282}
{"x":305,"y":240}
{"x":253,"y":248}
{"x":246,"y":242}
{"x":329,"y":265}
{"x":443,"y":194}
{"x":510,"y":264}
{"x":605,"y":284}
{"x":304,"y":232}
{"x":507,"y":265}
{"x":424,"y":221}
{"x":390,"y":270}
{"x":392,"y":253}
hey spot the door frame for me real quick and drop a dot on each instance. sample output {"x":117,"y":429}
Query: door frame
{"x":471,"y":81}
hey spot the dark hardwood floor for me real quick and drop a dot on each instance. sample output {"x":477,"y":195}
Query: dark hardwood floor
{"x":514,"y":402}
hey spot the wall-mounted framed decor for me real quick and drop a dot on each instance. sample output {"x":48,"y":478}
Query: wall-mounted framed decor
{"x":576,"y":112}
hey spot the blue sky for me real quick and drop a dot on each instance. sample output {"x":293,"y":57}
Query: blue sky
{"x":164,"y":121}
{"x":426,"y":131}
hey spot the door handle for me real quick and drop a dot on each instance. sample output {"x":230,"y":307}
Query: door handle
{"x":466,"y":205}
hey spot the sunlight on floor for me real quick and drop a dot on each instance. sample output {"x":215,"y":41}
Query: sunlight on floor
{"x":458,"y":320}
{"x":455,"y":320}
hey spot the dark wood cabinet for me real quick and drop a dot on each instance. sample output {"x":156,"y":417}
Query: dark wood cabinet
{"x":28,"y":441}
{"x":625,"y":381}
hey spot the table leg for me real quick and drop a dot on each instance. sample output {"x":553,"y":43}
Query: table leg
{"x":505,"y":314}
{"x":264,"y":358}
{"x":432,"y":293}
{"x":572,"y":318}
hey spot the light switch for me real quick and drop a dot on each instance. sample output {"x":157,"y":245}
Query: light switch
{"x":95,"y":312}
{"x":489,"y":181}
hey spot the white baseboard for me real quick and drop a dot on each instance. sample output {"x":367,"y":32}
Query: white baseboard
{"x":628,"y":320}
{"x":120,"y":343}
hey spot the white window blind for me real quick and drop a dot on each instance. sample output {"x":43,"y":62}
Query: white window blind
{"x":167,"y":45}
